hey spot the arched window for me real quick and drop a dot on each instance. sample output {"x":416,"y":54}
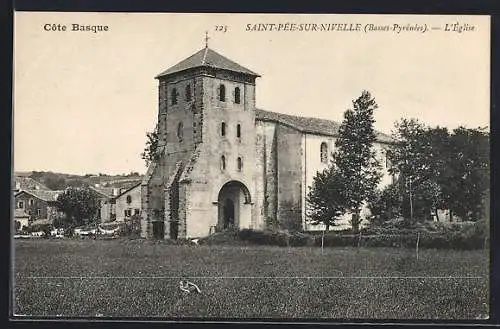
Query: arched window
{"x":324,"y":152}
{"x":240,"y":164}
{"x":223,"y":129}
{"x":222,"y":93}
{"x":129,"y":199}
{"x":180,"y":128}
{"x":223,"y":163}
{"x":173,"y":96}
{"x":188,"y":93}
{"x":237,"y":95}
{"x":238,"y":130}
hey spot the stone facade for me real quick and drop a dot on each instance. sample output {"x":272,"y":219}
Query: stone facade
{"x":127,"y":204}
{"x":37,"y":204}
{"x":222,"y":162}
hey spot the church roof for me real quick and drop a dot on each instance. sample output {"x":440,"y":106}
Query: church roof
{"x":310,"y":125}
{"x":206,"y":57}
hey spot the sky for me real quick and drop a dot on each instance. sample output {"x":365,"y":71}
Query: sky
{"x":83,"y":101}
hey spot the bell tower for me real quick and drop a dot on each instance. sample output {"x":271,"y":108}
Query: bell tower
{"x":206,"y":128}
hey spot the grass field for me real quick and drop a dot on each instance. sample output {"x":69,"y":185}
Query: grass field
{"x":121,"y":278}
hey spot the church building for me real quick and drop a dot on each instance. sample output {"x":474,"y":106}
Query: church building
{"x":224,"y":163}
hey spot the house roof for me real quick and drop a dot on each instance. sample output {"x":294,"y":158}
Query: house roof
{"x":45,"y":195}
{"x":28,"y":183}
{"x":127,"y":190}
{"x":206,"y":57}
{"x":104,"y":191}
{"x":18,"y":213}
{"x":309,"y":125}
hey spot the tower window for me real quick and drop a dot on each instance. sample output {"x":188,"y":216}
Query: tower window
{"x":173,"y":96}
{"x":238,"y":130}
{"x":223,"y":129}
{"x":324,"y":152}
{"x":222,"y":93}
{"x":20,"y":204}
{"x":129,"y":199}
{"x":188,"y":93}
{"x":223,"y":163}
{"x":180,"y":128}
{"x":237,"y":95}
{"x":240,"y":163}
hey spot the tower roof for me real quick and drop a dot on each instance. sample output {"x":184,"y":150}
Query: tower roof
{"x":206,"y":57}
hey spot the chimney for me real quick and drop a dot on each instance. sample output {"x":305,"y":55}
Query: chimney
{"x":116,"y":191}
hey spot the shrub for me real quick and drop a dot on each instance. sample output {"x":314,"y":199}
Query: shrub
{"x":333,"y":239}
{"x":275,"y":238}
{"x":456,"y":237}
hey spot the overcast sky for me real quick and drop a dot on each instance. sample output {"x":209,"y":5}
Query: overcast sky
{"x":83,"y":101}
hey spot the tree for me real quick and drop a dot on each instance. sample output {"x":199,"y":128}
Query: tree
{"x":443,"y":170}
{"x":420,"y":157}
{"x":54,"y":182}
{"x":80,"y":205}
{"x":385,"y":205}
{"x":470,"y":169}
{"x":324,"y":200}
{"x":355,"y":158}
{"x":150,"y":153}
{"x":354,"y":175}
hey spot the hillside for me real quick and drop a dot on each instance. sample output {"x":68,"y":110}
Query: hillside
{"x":59,"y":181}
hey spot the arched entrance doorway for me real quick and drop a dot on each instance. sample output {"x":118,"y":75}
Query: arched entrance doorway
{"x":234,"y":205}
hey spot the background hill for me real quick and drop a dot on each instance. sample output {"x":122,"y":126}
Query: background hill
{"x":59,"y":181}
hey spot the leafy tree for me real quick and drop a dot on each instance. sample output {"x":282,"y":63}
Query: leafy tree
{"x":385,"y":205}
{"x":445,"y":171}
{"x":324,"y":201}
{"x":79,"y":206}
{"x":470,"y":178}
{"x":420,"y":157}
{"x":355,"y":158}
{"x":54,"y":182}
{"x":150,"y":153}
{"x":354,"y":175}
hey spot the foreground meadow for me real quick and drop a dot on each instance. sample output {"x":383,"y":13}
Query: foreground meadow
{"x":137,"y":278}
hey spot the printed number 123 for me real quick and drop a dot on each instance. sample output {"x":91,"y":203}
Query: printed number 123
{"x":221,"y":28}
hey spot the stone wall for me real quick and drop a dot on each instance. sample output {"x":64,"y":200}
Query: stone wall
{"x":267,"y":173}
{"x":34,"y":207}
{"x":289,"y":170}
{"x":134,"y":206}
{"x":196,"y":146}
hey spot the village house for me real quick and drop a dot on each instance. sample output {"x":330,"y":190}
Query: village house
{"x":223,"y":162}
{"x":118,"y":201}
{"x":39,"y":205}
{"x":27,"y":183}
{"x":128,"y":203}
